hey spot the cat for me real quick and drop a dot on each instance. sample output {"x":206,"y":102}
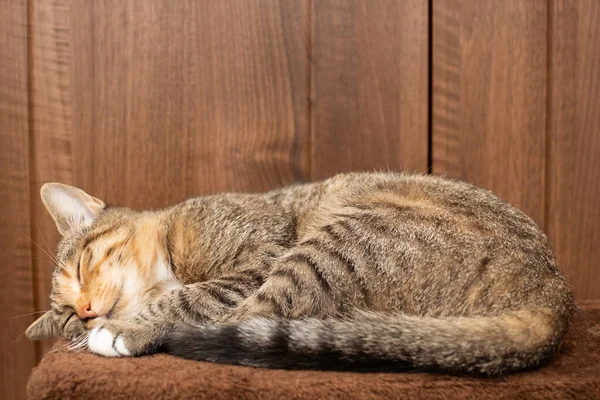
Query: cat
{"x":362,"y":270}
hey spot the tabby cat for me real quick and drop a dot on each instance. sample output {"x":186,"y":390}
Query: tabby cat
{"x":363,"y":270}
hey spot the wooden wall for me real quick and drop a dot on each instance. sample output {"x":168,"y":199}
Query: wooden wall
{"x":146,"y":102}
{"x":516,"y":108}
{"x":17,"y":355}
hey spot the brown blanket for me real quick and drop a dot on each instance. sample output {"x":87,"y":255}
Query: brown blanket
{"x":64,"y":374}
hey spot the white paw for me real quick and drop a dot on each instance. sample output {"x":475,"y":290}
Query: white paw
{"x":102,"y":341}
{"x":121,"y":348}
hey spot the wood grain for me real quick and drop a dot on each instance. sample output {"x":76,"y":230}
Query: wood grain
{"x":53,"y":146}
{"x":145,"y":103}
{"x":489,"y":97}
{"x":369,"y":86}
{"x":574,"y":143}
{"x":17,"y":354}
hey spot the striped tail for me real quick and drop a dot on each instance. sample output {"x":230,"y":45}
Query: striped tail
{"x":480,"y":345}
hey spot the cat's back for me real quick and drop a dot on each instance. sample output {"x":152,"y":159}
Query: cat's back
{"x":424,"y":193}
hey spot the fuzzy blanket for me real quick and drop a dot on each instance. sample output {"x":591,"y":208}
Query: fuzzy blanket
{"x":574,"y":374}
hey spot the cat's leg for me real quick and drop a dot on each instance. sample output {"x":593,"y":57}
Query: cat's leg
{"x":318,"y":277}
{"x":196,"y":303}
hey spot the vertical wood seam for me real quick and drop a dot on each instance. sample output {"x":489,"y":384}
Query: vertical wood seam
{"x":94,"y":83}
{"x":548,"y":127}
{"x":430,"y":87}
{"x":31,"y":164}
{"x":309,"y":93}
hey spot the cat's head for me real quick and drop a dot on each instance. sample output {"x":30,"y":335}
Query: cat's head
{"x":110,"y":261}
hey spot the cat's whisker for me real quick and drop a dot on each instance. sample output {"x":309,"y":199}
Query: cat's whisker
{"x":18,"y":337}
{"x":77,"y":341}
{"x":43,"y":238}
{"x":75,"y":344}
{"x":31,"y":313}
{"x":44,"y":259}
{"x":59,"y":348}
{"x":81,"y":344}
{"x":54,"y":259}
{"x":73,"y":341}
{"x":79,"y":337}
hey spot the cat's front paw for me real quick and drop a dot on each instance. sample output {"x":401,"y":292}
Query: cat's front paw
{"x":122,"y":339}
{"x":107,"y":342}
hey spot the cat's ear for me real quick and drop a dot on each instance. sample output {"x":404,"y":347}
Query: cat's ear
{"x":70,"y":207}
{"x":44,"y":327}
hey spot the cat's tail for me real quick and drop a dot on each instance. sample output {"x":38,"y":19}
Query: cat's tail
{"x":482,"y":345}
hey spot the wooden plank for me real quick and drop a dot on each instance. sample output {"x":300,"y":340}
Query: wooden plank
{"x":52,"y":109}
{"x":204,"y":97}
{"x":145,"y":103}
{"x":574,"y":143}
{"x":17,"y":354}
{"x":489,"y":97}
{"x":369,"y":86}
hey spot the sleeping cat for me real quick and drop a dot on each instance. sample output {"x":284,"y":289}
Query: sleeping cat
{"x":360,"y":270}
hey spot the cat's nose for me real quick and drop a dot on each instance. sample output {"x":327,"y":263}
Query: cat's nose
{"x":86,"y":312}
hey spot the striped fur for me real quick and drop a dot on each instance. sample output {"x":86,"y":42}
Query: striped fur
{"x":361,"y":270}
{"x":377,"y":342}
